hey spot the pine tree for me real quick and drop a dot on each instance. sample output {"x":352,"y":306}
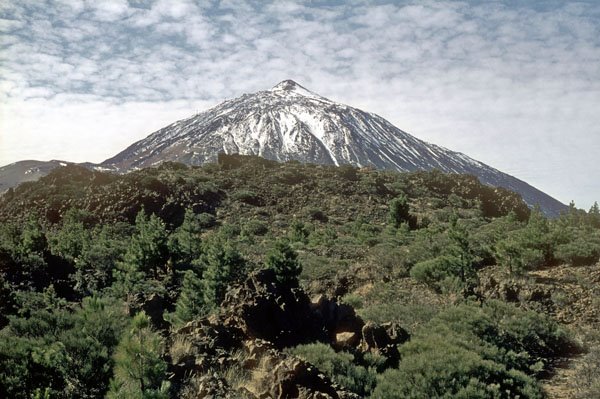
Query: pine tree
{"x":33,"y":239}
{"x":536,"y":239}
{"x":509,"y":253}
{"x":594,"y":216}
{"x":222,"y":265}
{"x":73,"y":237}
{"x":462,"y":250}
{"x":284,"y":261}
{"x":190,"y":304}
{"x":185,"y":243}
{"x":139,"y":371}
{"x":147,"y":251}
{"x":399,"y":211}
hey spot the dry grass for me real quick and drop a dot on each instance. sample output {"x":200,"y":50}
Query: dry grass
{"x":180,"y":348}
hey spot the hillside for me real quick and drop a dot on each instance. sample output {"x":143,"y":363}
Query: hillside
{"x":290,"y":122}
{"x":252,"y":278}
{"x":19,"y":172}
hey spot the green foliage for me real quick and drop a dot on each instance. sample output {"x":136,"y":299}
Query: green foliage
{"x":7,"y":302}
{"x":341,"y":367}
{"x":284,"y":261}
{"x":59,"y":353}
{"x":581,"y":247}
{"x":33,"y":238}
{"x":438,"y":273}
{"x":527,"y":248}
{"x":525,"y":338}
{"x":99,"y":256}
{"x":253,"y":228}
{"x":73,"y":236}
{"x":399,"y":211}
{"x":248,"y":197}
{"x":140,"y":371}
{"x":509,"y":253}
{"x":221,"y":265}
{"x":593,"y":218}
{"x":206,"y":220}
{"x":433,"y":367}
{"x":191,"y":303}
{"x":184,"y":243}
{"x":147,"y":253}
{"x":299,"y":232}
{"x":471,"y":351}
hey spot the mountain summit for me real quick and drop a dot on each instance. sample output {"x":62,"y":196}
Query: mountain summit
{"x":290,"y":122}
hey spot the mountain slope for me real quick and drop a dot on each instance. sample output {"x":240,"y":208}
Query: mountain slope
{"x":290,"y":122}
{"x":19,"y":172}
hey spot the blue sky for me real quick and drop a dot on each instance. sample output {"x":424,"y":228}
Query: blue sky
{"x":515,"y":84}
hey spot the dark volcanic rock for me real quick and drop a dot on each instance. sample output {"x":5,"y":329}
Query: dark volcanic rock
{"x":258,"y":318}
{"x":263,"y":308}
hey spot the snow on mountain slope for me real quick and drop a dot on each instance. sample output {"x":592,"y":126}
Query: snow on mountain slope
{"x":290,"y":122}
{"x":19,"y":172}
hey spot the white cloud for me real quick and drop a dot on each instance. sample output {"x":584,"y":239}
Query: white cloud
{"x":515,"y":87}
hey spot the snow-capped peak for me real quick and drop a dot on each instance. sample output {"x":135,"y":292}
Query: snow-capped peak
{"x":289,"y":87}
{"x":291,"y":122}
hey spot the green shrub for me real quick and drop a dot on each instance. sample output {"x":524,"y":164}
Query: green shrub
{"x":325,"y":236}
{"x":316,"y":214}
{"x":206,"y":220}
{"x":254,"y":227}
{"x":582,"y":248}
{"x":284,"y":261}
{"x":399,"y":211}
{"x":339,"y":366}
{"x":433,"y":367}
{"x":410,"y":316}
{"x":526,"y":339}
{"x":356,"y":301}
{"x":443,"y":271}
{"x":248,"y":197}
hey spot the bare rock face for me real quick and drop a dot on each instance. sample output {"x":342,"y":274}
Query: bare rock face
{"x":514,"y":290}
{"x":383,"y":339}
{"x":281,"y":376}
{"x":258,"y":319}
{"x":263,"y":308}
{"x":344,"y":340}
{"x":339,"y":320}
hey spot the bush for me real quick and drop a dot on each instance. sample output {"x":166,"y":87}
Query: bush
{"x":587,"y":381}
{"x":248,"y":197}
{"x":582,"y":248}
{"x":443,"y":271}
{"x":526,"y":339}
{"x":399,"y":211}
{"x":284,"y":261}
{"x":339,"y":366}
{"x":254,"y":228}
{"x":67,"y":354}
{"x":316,"y":214}
{"x":410,"y":316}
{"x":206,"y":220}
{"x":433,"y":367}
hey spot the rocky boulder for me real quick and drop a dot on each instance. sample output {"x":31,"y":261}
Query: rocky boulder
{"x":263,"y":308}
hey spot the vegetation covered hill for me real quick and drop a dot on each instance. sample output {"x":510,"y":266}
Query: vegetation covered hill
{"x":251,"y":278}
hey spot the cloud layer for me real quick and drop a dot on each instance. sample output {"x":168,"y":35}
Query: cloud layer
{"x":516,"y":86}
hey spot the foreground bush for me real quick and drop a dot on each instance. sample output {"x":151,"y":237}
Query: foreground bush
{"x":340,"y":367}
{"x":432,"y":367}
